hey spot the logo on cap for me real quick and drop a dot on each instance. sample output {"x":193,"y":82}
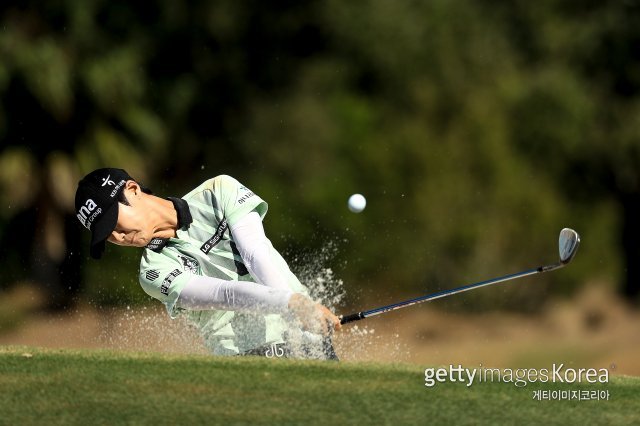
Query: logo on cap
{"x":107,"y":181}
{"x":85,"y":215}
{"x":97,"y":204}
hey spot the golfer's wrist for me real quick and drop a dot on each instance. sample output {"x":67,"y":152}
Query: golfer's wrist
{"x":295,"y":301}
{"x":299,"y":303}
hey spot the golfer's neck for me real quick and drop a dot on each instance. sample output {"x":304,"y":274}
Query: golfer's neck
{"x":164,"y":216}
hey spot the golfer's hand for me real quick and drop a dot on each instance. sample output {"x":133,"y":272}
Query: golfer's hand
{"x":314,"y":317}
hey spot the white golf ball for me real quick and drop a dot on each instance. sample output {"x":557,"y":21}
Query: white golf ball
{"x":357,"y":203}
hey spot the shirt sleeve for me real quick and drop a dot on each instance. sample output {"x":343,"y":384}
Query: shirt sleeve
{"x":204,"y":293}
{"x":236,"y":199}
{"x":256,"y":251}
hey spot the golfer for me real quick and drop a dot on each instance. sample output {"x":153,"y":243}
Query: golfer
{"x":206,"y":256}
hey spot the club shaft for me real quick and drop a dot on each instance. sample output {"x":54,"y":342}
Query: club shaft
{"x":365,"y":314}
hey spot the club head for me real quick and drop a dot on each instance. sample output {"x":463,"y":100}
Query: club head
{"x":568,"y":244}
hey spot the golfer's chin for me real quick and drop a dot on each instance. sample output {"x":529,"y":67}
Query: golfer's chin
{"x":139,"y":241}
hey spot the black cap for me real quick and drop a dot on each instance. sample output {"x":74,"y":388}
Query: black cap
{"x":97,"y":204}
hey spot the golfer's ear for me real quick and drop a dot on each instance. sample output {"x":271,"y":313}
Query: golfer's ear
{"x":132,"y":187}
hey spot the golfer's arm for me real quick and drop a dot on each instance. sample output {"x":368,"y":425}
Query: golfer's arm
{"x":205,"y":293}
{"x":256,"y":251}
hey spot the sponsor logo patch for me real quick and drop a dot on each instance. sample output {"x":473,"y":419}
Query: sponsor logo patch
{"x":245,"y":197}
{"x":152,"y":274}
{"x":215,"y":238}
{"x":107,"y":181}
{"x":189,"y":264}
{"x":157,"y":244}
{"x":84,"y":214}
{"x":118,"y":186}
{"x":164,"y":288}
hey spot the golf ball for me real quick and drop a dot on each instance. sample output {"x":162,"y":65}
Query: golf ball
{"x":357,"y":203}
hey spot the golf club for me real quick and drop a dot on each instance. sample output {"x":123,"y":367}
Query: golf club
{"x":568,"y":243}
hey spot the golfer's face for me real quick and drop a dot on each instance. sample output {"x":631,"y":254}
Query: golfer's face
{"x":132,"y":228}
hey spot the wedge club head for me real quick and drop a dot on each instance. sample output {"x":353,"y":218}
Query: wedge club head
{"x":568,"y":245}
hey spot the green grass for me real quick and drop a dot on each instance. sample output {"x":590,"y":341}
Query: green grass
{"x":103,"y":387}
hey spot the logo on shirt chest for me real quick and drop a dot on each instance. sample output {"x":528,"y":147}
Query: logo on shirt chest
{"x":152,"y":274}
{"x":189,"y":264}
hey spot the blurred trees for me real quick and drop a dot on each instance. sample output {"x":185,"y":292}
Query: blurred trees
{"x":71,"y":101}
{"x":476,"y":131}
{"x":583,"y":107}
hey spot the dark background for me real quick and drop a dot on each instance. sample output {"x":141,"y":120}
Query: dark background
{"x":476,"y":131}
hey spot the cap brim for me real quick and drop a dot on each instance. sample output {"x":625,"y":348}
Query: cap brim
{"x":101,"y":230}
